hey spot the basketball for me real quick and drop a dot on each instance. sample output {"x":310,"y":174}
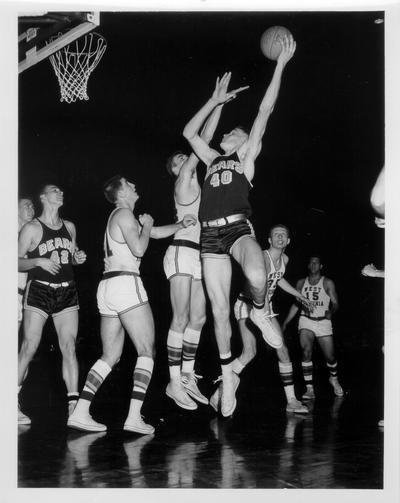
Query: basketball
{"x":270,"y":41}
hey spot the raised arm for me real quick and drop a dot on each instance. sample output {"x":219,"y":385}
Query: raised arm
{"x":188,"y":170}
{"x":192,"y":128}
{"x":330,"y":289}
{"x":253,"y":145}
{"x":164,"y":231}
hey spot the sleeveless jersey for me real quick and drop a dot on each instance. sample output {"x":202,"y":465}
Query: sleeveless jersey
{"x":225,"y":189}
{"x":319,"y":297}
{"x":191,"y":233}
{"x":22,"y":276}
{"x":55,"y":244}
{"x":119,"y":256}
{"x":274,"y":275}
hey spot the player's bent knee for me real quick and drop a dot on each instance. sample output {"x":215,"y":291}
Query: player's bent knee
{"x":256,"y":276}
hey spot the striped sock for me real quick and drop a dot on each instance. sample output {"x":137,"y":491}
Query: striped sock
{"x":286,"y":373}
{"x":307,"y":372}
{"x":332,"y":367}
{"x":94,"y":380}
{"x":141,"y":380}
{"x":190,"y":342}
{"x":74,"y":395}
{"x":174,"y":347}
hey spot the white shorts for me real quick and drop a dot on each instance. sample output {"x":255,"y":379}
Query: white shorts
{"x":20,"y":306}
{"x":182,"y":260}
{"x":320,"y":328}
{"x":120,"y":294}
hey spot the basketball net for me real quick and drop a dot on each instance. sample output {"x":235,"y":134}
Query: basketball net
{"x":74,"y":63}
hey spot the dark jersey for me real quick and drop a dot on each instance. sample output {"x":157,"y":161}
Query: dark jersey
{"x":225,"y":189}
{"x":55,"y":245}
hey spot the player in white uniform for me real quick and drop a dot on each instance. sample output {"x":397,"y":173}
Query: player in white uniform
{"x":182,"y":266}
{"x":26,"y":212}
{"x":321,"y":292}
{"x":123,"y":305}
{"x":275,"y":262}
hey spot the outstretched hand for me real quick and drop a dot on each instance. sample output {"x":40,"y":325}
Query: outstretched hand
{"x":221,"y":93}
{"x":288,"y":49}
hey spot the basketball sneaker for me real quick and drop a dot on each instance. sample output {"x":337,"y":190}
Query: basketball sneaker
{"x":215,"y":400}
{"x":262,"y":320}
{"x":229,"y":385}
{"x":178,"y":394}
{"x":84,"y":423}
{"x":71,"y":406}
{"x":22,"y":418}
{"x":296,"y":406}
{"x":338,"y":390}
{"x":137,"y":425}
{"x":309,"y":394}
{"x":189,"y":382}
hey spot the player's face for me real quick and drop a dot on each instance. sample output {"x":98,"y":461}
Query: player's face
{"x":279,"y":238}
{"x":314,"y":265}
{"x":26,"y":210}
{"x":131,"y":190}
{"x":54,"y":195}
{"x":233,"y":140}
{"x":177,"y":162}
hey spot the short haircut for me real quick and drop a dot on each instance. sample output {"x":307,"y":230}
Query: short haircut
{"x":279,"y":225}
{"x":315,"y":255}
{"x":24,"y":198}
{"x":111,"y":188}
{"x":170,"y":162}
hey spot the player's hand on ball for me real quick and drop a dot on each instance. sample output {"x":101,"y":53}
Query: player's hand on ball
{"x":146,"y":220}
{"x":79,"y":257}
{"x":288,"y":49}
{"x":189,"y":220}
{"x":221,"y":93}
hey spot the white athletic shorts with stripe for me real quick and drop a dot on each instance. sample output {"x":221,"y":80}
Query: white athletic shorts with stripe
{"x":182,"y":260}
{"x":321,"y":328}
{"x":20,"y":306}
{"x":120,"y":294}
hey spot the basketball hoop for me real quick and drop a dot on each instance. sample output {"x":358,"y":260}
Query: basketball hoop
{"x":74,"y":63}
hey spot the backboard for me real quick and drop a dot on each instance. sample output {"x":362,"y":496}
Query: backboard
{"x":40,"y":34}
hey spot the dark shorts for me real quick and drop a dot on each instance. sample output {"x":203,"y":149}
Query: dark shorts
{"x":47,"y":300}
{"x":219,"y":240}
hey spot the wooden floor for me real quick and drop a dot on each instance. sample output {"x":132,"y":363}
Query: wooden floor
{"x":338,"y":444}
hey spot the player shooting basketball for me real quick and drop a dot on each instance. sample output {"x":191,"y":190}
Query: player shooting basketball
{"x":224,"y":212}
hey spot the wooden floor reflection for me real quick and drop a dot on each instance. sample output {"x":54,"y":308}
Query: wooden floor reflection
{"x":337,"y":445}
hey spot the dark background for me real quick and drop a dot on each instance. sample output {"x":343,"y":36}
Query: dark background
{"x":322,"y":151}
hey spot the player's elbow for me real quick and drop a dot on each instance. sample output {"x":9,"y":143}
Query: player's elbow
{"x":188,"y":134}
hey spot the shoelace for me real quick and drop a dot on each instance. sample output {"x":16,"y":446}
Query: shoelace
{"x":192,"y":376}
{"x":266,"y":316}
{"x":219,"y":379}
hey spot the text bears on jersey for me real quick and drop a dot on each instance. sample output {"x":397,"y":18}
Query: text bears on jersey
{"x":54,"y":244}
{"x":225,"y":164}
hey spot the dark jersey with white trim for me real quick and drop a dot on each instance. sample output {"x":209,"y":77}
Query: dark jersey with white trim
{"x":225,"y":189}
{"x":56,"y":245}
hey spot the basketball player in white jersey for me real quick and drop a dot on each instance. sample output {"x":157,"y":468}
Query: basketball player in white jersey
{"x":123,"y":304}
{"x":223,"y":213}
{"x":47,"y":250}
{"x":26,"y":212}
{"x":321,"y":291}
{"x":182,"y":268}
{"x":276,"y":262}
